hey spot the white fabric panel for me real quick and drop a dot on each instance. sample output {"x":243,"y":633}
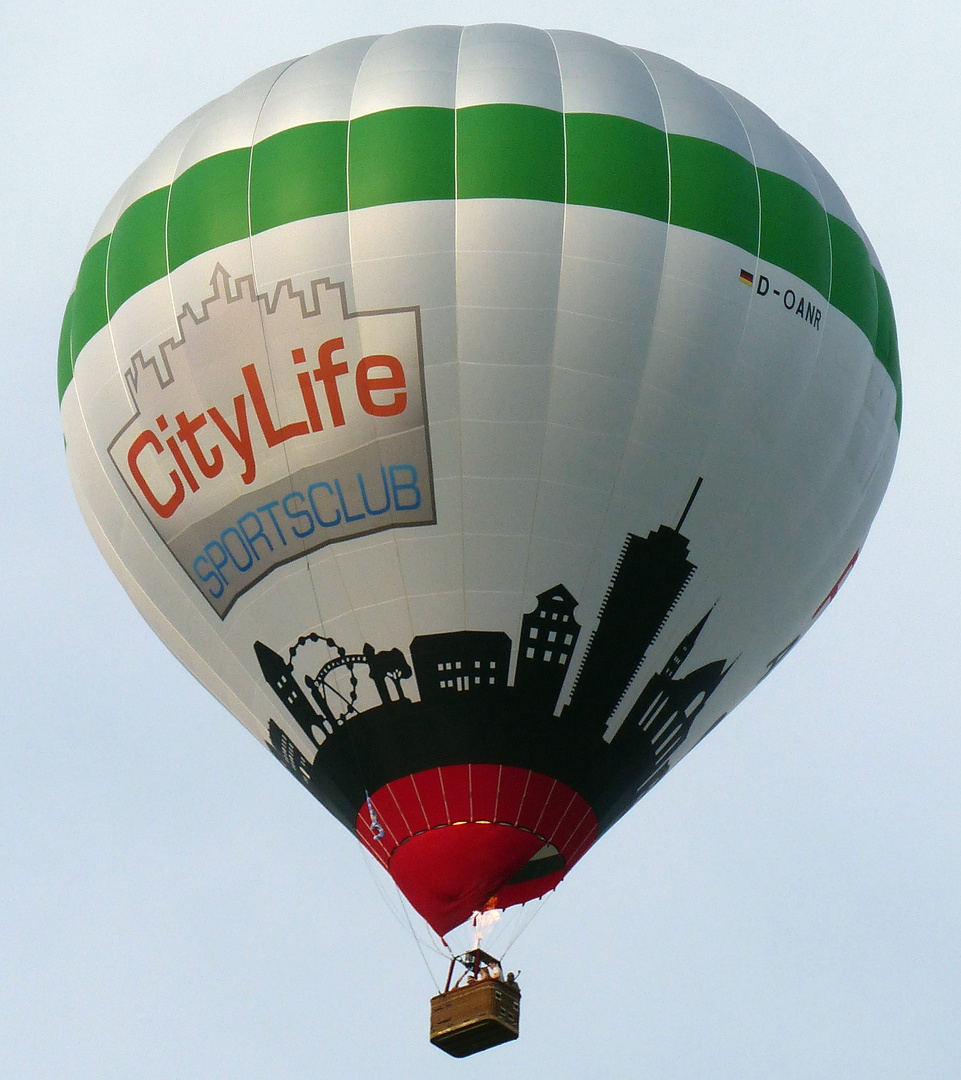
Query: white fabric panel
{"x":230,"y":121}
{"x":156,"y":172}
{"x":772,"y":148}
{"x":313,"y":89}
{"x":833,"y":199}
{"x":692,"y":106}
{"x":601,"y":77}
{"x":410,"y":68}
{"x":509,"y":64}
{"x":609,"y":286}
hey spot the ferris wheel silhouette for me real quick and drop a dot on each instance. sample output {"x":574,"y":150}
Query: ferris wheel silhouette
{"x":334,"y":704}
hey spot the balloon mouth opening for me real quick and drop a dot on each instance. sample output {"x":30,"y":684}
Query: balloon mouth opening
{"x":452,"y":871}
{"x":462,"y":838}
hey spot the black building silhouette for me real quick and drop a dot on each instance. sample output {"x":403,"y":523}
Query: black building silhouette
{"x":548,"y":636}
{"x":468,"y":712}
{"x":650,"y":576}
{"x":475,"y":660}
{"x":667,"y":706}
{"x":279,"y":674}
{"x":288,"y":754}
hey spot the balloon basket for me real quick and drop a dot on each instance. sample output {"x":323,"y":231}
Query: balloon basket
{"x":484,"y":1012}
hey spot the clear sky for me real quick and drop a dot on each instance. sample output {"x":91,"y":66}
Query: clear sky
{"x":785,"y":904}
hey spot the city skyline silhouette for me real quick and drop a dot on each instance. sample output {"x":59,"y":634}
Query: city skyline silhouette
{"x":467,"y":709}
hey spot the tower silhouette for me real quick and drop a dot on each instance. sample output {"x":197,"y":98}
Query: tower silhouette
{"x":667,"y":706}
{"x":650,"y":576}
{"x":280,"y":677}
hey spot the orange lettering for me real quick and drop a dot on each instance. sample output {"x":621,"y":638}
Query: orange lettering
{"x":366,"y":385}
{"x":163,"y":509}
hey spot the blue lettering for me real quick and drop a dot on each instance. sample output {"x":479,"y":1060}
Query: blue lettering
{"x":310,"y":496}
{"x":395,"y":470}
{"x":269,"y":509}
{"x":213,"y":575}
{"x":259,"y":534}
{"x":218,"y":566}
{"x":298,"y":514}
{"x":347,"y":515}
{"x":363,"y":493}
{"x":243,"y":543}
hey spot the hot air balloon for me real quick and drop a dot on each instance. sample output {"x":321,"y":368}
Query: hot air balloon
{"x":479,"y":414}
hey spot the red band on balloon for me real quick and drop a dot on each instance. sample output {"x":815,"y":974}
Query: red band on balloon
{"x":453,"y":838}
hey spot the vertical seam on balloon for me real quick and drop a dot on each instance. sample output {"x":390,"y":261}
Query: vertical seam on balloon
{"x":443,"y":792}
{"x":497,"y":791}
{"x":855,"y":513}
{"x":173,"y":305}
{"x":739,"y":359}
{"x":787,"y":430}
{"x":526,"y":587}
{"x":334,"y":558}
{"x":250,"y":249}
{"x":556,"y":831}
{"x":420,"y":801}
{"x":456,"y":358}
{"x":544,"y":806}
{"x":256,"y":286}
{"x":390,"y":536}
{"x":588,"y":840}
{"x":400,"y":810}
{"x":599,"y":531}
{"x":335,"y":554}
{"x":520,"y":805}
{"x":843,"y":457}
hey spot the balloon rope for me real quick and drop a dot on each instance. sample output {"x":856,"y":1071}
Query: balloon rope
{"x":378,"y":832}
{"x":524,"y":924}
{"x":368,"y":860}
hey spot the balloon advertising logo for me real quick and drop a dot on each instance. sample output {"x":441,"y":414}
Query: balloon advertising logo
{"x":242,"y":467}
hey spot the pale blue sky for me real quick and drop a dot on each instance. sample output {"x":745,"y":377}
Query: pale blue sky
{"x":784,"y":905}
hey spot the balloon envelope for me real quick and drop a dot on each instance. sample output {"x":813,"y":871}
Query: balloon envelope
{"x":479,"y":414}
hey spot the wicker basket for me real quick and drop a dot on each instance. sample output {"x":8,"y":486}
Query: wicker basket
{"x":475,"y":1017}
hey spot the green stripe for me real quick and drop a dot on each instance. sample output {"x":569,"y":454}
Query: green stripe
{"x":617,"y":163}
{"x":886,"y":346}
{"x":64,"y":353}
{"x":298,"y":173}
{"x":510,"y":152}
{"x":490,"y":152}
{"x":138,"y":248}
{"x":854,"y":289}
{"x":794,"y":230}
{"x":208,"y":206}
{"x":402,"y":155}
{"x":88,"y":309}
{"x":713,"y":191}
